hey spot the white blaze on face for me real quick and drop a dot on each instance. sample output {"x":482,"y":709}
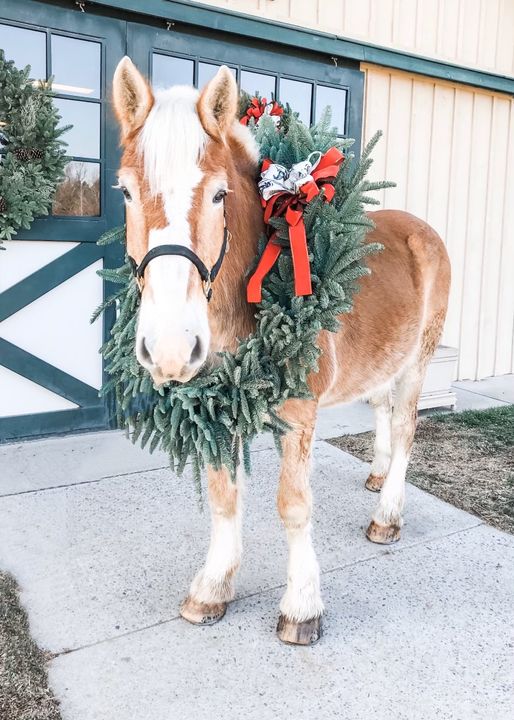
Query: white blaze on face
{"x":172,"y":142}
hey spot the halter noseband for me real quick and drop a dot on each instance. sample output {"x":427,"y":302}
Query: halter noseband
{"x":208,"y":276}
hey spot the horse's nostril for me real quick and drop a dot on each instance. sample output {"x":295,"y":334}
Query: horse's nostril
{"x":145,"y":353}
{"x":197,"y":350}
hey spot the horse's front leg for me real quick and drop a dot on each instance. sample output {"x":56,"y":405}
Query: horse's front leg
{"x":213,"y":586}
{"x":301,"y":606}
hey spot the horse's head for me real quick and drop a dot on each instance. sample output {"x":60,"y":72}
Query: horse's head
{"x":176,"y":173}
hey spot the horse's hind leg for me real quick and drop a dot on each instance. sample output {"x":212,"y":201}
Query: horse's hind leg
{"x":382,"y":404}
{"x":387,"y":518}
{"x":213,"y":586}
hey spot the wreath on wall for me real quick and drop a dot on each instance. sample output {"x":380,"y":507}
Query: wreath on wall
{"x":213,"y":418}
{"x":32,"y":153}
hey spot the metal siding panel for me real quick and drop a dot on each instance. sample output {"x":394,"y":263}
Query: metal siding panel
{"x":357,"y":17}
{"x":492,"y":242}
{"x":304,"y":13}
{"x":398,"y":134}
{"x":440,"y":158}
{"x":504,"y":61}
{"x":456,"y":232}
{"x":488,"y":33}
{"x":331,"y":15}
{"x":476,"y":225}
{"x":420,"y":150}
{"x":404,"y":24}
{"x":469,"y":28}
{"x":381,"y":22}
{"x":276,"y":8}
{"x":426,"y":27}
{"x":449,"y":153}
{"x":448,"y":29}
{"x":504,"y":357}
{"x":375,"y":118}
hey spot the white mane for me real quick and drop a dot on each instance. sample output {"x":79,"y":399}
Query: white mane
{"x":172,"y":139}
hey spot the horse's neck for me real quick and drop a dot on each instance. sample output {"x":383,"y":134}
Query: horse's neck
{"x":231,"y":317}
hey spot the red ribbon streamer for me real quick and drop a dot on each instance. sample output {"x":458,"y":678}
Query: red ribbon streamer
{"x":292,"y":208}
{"x":258,"y":108}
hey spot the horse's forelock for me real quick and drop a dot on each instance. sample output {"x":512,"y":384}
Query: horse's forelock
{"x":172,"y":140}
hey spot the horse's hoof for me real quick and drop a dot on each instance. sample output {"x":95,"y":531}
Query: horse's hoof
{"x":383,"y":534}
{"x":307,"y":632}
{"x":374,"y":483}
{"x":199,"y":613}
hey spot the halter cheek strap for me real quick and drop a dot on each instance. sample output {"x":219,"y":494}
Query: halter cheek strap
{"x":207,"y":276}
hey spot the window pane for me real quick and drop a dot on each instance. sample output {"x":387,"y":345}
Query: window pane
{"x":299,"y":96}
{"x":256,"y":82}
{"x":206,"y":71}
{"x":76,"y":66}
{"x":79,"y":192}
{"x":84,"y":137}
{"x":168,"y":71}
{"x":25,"y":47}
{"x":336,"y":99}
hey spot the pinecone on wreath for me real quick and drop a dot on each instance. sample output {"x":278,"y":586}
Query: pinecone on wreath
{"x":3,"y":205}
{"x":26,"y":154}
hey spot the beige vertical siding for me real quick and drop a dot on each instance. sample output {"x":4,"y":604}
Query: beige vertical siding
{"x":450,"y":149}
{"x":473,"y":33}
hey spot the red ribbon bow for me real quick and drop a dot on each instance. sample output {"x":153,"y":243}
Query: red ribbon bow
{"x":292,"y":207}
{"x":258,"y":108}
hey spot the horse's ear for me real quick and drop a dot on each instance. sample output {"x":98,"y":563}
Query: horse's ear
{"x":132,"y":95}
{"x":217,"y":106}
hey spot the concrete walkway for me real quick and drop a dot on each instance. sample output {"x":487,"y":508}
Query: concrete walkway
{"x":104,"y":541}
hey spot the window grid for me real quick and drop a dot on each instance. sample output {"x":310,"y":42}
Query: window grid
{"x":197,"y":59}
{"x":48,"y":32}
{"x":98,"y":162}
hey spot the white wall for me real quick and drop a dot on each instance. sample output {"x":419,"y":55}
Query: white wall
{"x":450,"y":149}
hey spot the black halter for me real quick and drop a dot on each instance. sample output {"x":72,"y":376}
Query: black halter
{"x":208,"y":276}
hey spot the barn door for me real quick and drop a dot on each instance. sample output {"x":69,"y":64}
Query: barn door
{"x":50,"y":369}
{"x":307,"y":81}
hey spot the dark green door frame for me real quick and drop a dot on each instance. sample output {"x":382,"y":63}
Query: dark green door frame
{"x":92,"y":412}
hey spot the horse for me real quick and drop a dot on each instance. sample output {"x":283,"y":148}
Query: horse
{"x":188,"y":172}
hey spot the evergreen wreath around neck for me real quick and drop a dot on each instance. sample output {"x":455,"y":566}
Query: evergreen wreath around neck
{"x":32,"y":153}
{"x":212,"y":419}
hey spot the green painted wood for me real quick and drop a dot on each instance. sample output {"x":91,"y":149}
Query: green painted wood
{"x":255,"y":55}
{"x":57,"y":381}
{"x":47,"y":278}
{"x":237,"y":24}
{"x":51,"y":423}
{"x":95,"y":412}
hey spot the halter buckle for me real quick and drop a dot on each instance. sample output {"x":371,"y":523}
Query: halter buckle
{"x":207,"y":288}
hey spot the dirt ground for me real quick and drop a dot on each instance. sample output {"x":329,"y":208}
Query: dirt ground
{"x":24,"y":691}
{"x":464,"y":458}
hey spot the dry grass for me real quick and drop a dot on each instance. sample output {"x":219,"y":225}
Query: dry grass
{"x":24,"y":691}
{"x":464,"y":458}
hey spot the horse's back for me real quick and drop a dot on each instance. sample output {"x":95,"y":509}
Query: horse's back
{"x":408,"y":285}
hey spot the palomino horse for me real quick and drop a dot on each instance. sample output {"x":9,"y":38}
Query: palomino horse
{"x":188,"y":168}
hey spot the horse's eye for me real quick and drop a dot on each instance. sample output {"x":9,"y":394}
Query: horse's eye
{"x":219,"y":196}
{"x":126,"y":194}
